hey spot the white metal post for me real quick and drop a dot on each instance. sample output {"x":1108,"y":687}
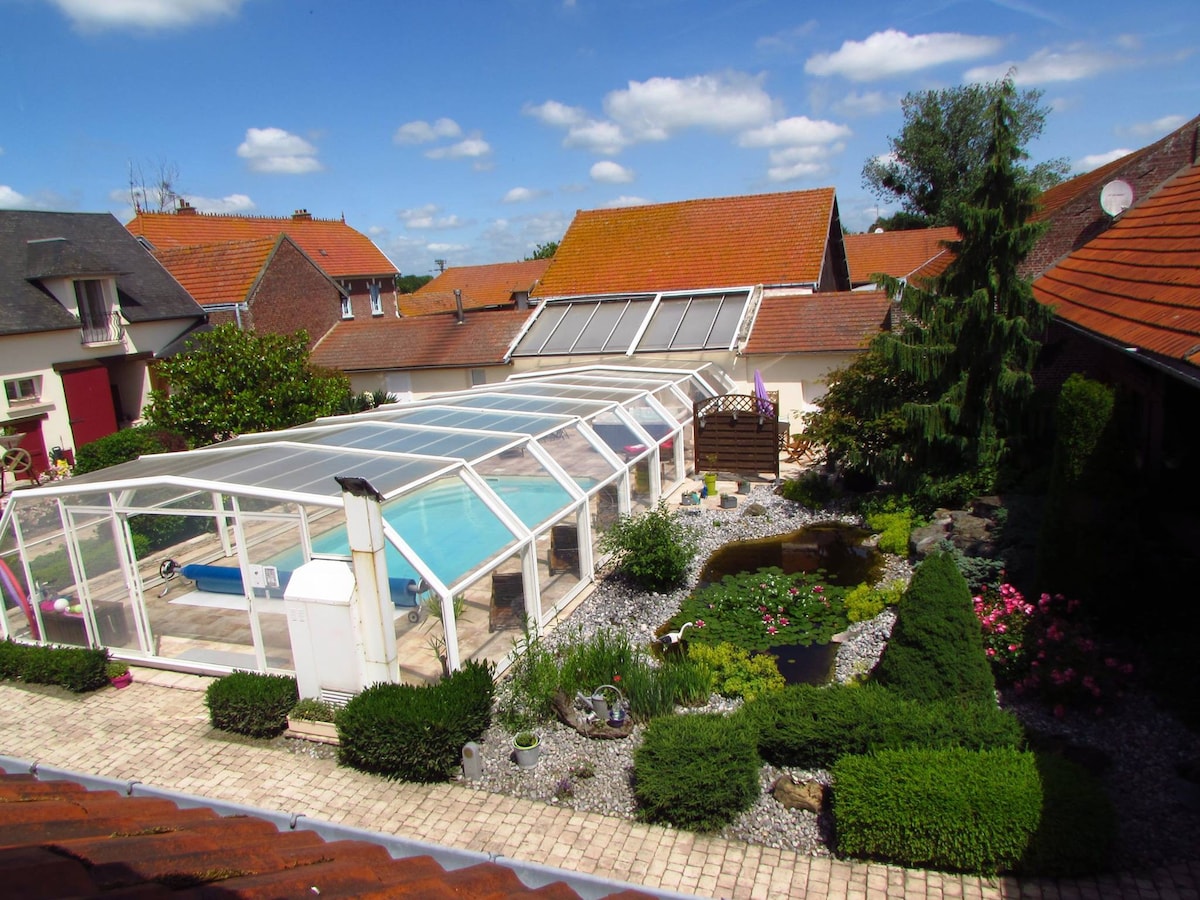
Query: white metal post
{"x":373,"y":612}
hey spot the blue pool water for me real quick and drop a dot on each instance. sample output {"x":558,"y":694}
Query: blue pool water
{"x":448,"y":526}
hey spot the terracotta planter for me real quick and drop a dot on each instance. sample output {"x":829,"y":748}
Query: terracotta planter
{"x":310,"y":730}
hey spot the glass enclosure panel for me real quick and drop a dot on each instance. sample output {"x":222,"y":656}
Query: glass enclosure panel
{"x":55,"y":595}
{"x":266,"y":541}
{"x":674,"y":404}
{"x":14,"y":591}
{"x":104,"y":585}
{"x":558,"y":562}
{"x":575,"y":453}
{"x":668,"y":472}
{"x":606,"y":507}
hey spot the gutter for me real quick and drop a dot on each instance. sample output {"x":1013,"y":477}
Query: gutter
{"x":533,"y":875}
{"x":1153,"y":360}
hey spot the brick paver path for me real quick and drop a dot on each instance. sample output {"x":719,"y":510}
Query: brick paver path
{"x":161,"y":737}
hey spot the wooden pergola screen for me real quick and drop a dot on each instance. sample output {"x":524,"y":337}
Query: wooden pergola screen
{"x":738,"y":433}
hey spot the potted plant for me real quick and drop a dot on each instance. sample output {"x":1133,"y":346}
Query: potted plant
{"x":728,"y":501}
{"x":312,"y":720}
{"x":118,"y":674}
{"x":710,"y":477}
{"x":743,"y":486}
{"x":527,"y":747}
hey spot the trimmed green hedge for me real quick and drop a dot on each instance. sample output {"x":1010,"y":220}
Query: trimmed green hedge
{"x":416,"y":733}
{"x":696,"y":771}
{"x":78,"y":669}
{"x":936,"y":648}
{"x":956,"y":810}
{"x":811,"y":727}
{"x":251,"y":704}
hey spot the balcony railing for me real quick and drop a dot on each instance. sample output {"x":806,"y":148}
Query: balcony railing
{"x":105,"y":330}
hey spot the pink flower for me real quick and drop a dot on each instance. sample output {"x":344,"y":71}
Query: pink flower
{"x":783,"y":620}
{"x":793,"y":591}
{"x":818,"y":589}
{"x":771,"y":629}
{"x":699,"y":623}
{"x":990,"y":652}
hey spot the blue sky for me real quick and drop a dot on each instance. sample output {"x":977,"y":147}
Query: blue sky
{"x":471,"y":131}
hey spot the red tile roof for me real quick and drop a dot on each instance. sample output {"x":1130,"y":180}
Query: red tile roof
{"x":919,"y":253}
{"x":336,"y":247}
{"x":729,"y":241}
{"x":219,"y":273}
{"x":58,"y":839}
{"x":815,"y":323}
{"x":421,"y":342}
{"x":491,"y":285}
{"x":1138,"y":283}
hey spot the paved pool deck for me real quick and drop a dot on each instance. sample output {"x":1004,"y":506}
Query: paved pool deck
{"x":157,"y":731}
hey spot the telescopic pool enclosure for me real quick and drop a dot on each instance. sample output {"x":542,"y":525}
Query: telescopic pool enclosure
{"x":490,"y":502}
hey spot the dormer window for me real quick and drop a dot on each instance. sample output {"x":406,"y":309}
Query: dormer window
{"x":98,"y":322}
{"x":376,"y":300}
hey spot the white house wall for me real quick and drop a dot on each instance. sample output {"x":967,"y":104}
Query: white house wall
{"x":800,"y":378}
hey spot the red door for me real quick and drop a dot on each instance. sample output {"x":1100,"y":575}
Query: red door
{"x":89,"y":404}
{"x":33,"y":443}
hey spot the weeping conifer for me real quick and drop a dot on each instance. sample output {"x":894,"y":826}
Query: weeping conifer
{"x":972,"y":340}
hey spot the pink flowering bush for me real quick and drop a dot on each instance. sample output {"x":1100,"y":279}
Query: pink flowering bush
{"x":1046,"y":650}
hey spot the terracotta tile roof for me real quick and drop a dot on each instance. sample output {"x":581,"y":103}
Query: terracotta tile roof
{"x":59,"y":839}
{"x":336,"y":247}
{"x":421,"y":342}
{"x":219,"y":273}
{"x":1138,"y":283}
{"x":758,"y":239}
{"x":815,"y":323}
{"x":919,"y":253}
{"x":491,"y":285}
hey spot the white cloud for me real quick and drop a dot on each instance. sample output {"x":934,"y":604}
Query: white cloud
{"x":427,"y":217}
{"x":655,"y":109}
{"x":887,"y":53}
{"x":790,"y":163}
{"x":1072,"y":64}
{"x":558,"y":114}
{"x":866,"y":104}
{"x":1096,"y":160}
{"x":446,"y":248}
{"x":514,"y":238}
{"x":785,"y":41}
{"x":10,"y":199}
{"x":275,"y":151}
{"x":470,"y":148}
{"x":599,"y":137}
{"x":608,"y":172}
{"x":422,"y":132}
{"x":1154,"y":129}
{"x":94,"y":15}
{"x":796,"y":131}
{"x":624,"y":200}
{"x":522,"y":195}
{"x":232,"y":203}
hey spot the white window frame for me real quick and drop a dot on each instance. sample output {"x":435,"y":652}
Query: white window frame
{"x":347,"y":307}
{"x":14,"y":393}
{"x":376,"y":299}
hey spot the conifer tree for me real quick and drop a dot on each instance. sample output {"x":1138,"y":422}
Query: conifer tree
{"x":972,"y":340}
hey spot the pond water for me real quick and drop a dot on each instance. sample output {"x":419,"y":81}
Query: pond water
{"x":829,"y":546}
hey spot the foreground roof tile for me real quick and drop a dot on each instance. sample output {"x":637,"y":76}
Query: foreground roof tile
{"x":816,"y":323}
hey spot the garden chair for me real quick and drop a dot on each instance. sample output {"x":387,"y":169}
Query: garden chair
{"x":507,"y":609}
{"x":800,"y":449}
{"x":564,"y":549}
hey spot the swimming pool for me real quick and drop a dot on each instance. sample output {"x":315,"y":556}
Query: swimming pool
{"x":448,"y":526}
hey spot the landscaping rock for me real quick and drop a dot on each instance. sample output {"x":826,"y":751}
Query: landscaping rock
{"x":924,"y":540}
{"x":796,"y":794}
{"x":755,"y":509}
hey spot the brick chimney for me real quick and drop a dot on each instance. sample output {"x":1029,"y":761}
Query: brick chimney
{"x":183,"y":208}
{"x":302,"y":215}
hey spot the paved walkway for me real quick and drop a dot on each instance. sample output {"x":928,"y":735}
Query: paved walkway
{"x":160,"y":736}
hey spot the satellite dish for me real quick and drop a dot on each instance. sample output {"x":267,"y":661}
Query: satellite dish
{"x":1116,"y":197}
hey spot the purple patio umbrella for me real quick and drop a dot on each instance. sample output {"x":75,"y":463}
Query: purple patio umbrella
{"x":765,"y":406}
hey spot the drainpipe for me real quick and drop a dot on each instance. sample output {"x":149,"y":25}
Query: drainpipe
{"x":458,"y":305}
{"x":373,"y":611}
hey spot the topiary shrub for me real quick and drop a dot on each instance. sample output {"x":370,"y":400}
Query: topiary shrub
{"x":811,"y":727}
{"x":251,"y":704}
{"x":1078,"y":825}
{"x":936,"y":648}
{"x":696,"y":771}
{"x":78,"y":669}
{"x":653,"y":549}
{"x":416,"y":733}
{"x":956,"y":810}
{"x":735,"y":673}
